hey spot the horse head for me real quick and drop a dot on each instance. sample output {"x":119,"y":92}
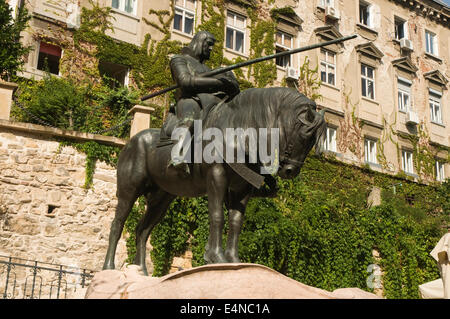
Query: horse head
{"x":308,"y":130}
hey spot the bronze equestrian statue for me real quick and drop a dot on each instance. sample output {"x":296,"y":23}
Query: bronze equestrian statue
{"x":147,"y":168}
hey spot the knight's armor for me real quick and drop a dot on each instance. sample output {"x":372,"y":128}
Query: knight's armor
{"x":196,"y":93}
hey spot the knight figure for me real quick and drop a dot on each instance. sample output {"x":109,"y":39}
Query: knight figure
{"x":196,"y":93}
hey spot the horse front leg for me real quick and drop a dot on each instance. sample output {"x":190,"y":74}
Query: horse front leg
{"x":217,"y":186}
{"x":236,"y":211}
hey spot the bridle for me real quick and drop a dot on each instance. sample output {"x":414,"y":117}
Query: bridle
{"x":286,"y":157}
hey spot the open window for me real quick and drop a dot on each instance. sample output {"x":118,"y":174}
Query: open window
{"x":235,"y":33}
{"x":364,"y":13}
{"x":49,"y":57}
{"x":435,"y":98}
{"x":184,"y":16}
{"x":407,"y":162}
{"x":431,"y":44}
{"x":370,"y":151}
{"x":401,"y":30}
{"x":330,"y":140}
{"x":440,"y":171}
{"x":328,"y":67}
{"x":404,"y":94}
{"x":114,"y":74}
{"x":128,"y":6}
{"x":284,"y":42}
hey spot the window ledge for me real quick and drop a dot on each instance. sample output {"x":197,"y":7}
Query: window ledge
{"x":236,"y":53}
{"x":280,"y":68}
{"x":411,"y":174}
{"x":187,"y":35}
{"x":371,"y":164}
{"x":36,"y":71}
{"x":333,"y":153}
{"x":370,"y":100}
{"x":331,"y":86}
{"x":437,"y":123}
{"x":364,"y":27}
{"x":126,"y":14}
{"x":434,"y":57}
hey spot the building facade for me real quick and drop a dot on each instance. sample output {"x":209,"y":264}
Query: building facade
{"x":385,"y":93}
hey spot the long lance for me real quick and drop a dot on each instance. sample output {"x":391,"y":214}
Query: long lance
{"x":253,"y":61}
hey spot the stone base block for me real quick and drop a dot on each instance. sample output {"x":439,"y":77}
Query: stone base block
{"x":217,"y":281}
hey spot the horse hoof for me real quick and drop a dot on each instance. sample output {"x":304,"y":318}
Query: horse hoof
{"x":109,"y":267}
{"x":232,"y":259}
{"x":217,"y":258}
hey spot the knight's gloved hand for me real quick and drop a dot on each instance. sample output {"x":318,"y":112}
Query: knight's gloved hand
{"x":229,"y":87}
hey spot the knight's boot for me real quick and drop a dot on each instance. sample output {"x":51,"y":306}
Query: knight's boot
{"x":178,"y":159}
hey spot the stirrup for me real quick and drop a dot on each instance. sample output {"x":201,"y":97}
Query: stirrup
{"x":181,"y":166}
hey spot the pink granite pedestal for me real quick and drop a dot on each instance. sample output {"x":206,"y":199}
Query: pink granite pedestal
{"x":217,"y":281}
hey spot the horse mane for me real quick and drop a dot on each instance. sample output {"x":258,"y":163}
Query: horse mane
{"x":260,"y":107}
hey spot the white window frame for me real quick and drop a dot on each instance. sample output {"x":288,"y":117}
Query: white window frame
{"x":328,"y":66}
{"x":370,"y":151}
{"x":236,"y":29}
{"x":435,"y":102}
{"x":39,"y":52}
{"x":368,"y":79}
{"x":368,"y":12}
{"x":407,"y":162}
{"x":330,"y":143}
{"x":440,"y":171}
{"x":404,"y":90}
{"x":431,"y":43}
{"x":326,"y":3}
{"x":184,"y":10}
{"x":285,"y":48}
{"x":404,"y":25}
{"x":121,"y":6}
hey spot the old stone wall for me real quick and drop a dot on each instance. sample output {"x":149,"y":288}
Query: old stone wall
{"x":45,"y":213}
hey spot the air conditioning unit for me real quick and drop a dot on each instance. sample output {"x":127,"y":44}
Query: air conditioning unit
{"x":73,"y":17}
{"x":291,"y":74}
{"x":412,"y":118}
{"x":406,"y":44}
{"x":331,"y":12}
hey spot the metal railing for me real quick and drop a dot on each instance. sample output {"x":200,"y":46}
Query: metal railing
{"x":26,"y":279}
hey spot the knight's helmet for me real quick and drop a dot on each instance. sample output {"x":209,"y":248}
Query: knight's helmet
{"x":196,"y":44}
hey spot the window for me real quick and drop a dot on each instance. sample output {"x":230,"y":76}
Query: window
{"x":435,"y":106}
{"x":284,"y":42}
{"x":368,"y":81}
{"x":364,"y":13}
{"x":330,"y":140}
{"x":327,"y":3}
{"x":407,"y":162}
{"x":49,"y":57}
{"x":184,"y":16}
{"x":400,"y":28}
{"x":404,"y":95}
{"x":430,"y":43}
{"x":328,"y":67}
{"x":370,"y":151}
{"x":128,"y":6}
{"x":235,"y":35}
{"x":440,"y":173}
{"x":114,"y":74}
{"x":13,"y":7}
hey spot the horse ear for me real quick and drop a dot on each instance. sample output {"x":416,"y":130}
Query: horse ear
{"x":306,"y":116}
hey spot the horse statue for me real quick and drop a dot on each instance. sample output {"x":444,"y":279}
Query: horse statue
{"x":142,"y":169}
